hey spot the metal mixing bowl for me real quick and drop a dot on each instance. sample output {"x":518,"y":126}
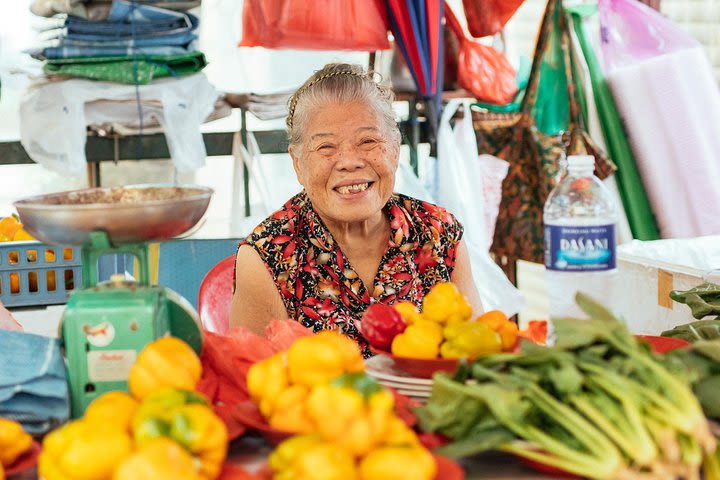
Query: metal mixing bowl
{"x":129,"y":214}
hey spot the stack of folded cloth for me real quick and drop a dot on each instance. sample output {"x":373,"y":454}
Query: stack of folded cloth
{"x":133,"y":44}
{"x":106,"y":70}
{"x":33,"y":383}
{"x":99,"y":9}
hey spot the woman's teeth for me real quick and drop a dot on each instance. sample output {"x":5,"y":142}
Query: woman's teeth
{"x":353,"y":188}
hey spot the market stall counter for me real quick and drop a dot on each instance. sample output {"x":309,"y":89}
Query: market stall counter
{"x":251,"y":452}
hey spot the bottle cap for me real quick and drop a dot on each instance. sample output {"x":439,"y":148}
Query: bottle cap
{"x":581,"y":161}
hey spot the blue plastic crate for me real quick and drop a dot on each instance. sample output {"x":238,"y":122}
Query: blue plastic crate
{"x":34,"y":273}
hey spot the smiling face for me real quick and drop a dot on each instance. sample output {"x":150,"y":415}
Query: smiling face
{"x":346,"y":162}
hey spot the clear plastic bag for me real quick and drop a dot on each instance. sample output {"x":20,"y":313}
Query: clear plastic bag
{"x":461,"y":178}
{"x":633,"y":32}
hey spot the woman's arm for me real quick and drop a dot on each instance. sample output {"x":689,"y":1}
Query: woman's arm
{"x":463,"y":279}
{"x":256,"y":300}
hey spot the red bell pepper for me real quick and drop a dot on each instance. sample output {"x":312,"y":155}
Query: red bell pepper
{"x":380,"y":324}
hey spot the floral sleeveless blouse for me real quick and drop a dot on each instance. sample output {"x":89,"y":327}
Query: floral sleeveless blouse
{"x":318,"y":285}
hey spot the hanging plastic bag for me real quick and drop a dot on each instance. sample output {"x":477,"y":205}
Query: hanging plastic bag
{"x":482,"y":70}
{"x":493,"y":171}
{"x":315,"y":24}
{"x":7,"y":321}
{"x":669,"y":103}
{"x":552,"y":107}
{"x":634,"y":199}
{"x":460,"y":189}
{"x":488,"y":17}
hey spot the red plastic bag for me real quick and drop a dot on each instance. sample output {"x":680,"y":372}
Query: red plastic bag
{"x":488,"y":17}
{"x":227,"y":358}
{"x":315,"y":24}
{"x":482,"y":70}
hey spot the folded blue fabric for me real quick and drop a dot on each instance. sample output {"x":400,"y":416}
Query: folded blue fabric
{"x":69,"y":52}
{"x":126,"y":19}
{"x":33,"y":381}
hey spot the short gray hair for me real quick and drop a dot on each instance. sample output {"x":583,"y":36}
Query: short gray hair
{"x":339,"y":83}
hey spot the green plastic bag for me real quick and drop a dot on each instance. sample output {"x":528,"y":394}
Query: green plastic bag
{"x":140,"y":69}
{"x":552,"y":108}
{"x":634,"y":199}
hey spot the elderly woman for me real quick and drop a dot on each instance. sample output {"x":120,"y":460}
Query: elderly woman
{"x":346,"y":241}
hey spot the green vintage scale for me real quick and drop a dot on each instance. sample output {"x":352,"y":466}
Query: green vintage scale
{"x":105,"y":325}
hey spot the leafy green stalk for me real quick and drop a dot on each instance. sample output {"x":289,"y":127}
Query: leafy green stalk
{"x":690,"y":452}
{"x":679,"y":399}
{"x":631,"y":441}
{"x":676,"y":406}
{"x":711,"y":465}
{"x":596,"y":456}
{"x":665,"y":438}
{"x":690,"y":418}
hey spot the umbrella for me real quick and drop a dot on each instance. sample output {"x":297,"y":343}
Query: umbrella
{"x":416,"y":25}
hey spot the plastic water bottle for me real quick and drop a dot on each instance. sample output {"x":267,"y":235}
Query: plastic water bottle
{"x":580,"y":216}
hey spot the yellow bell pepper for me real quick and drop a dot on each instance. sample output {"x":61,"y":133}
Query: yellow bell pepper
{"x":161,"y":459}
{"x":152,"y":418}
{"x":202,"y":433}
{"x":445,"y":304}
{"x":399,"y":434}
{"x":9,"y":226}
{"x":352,"y":356}
{"x":266,"y":379}
{"x":316,"y":359}
{"x":332,"y":409}
{"x":469,"y":340}
{"x":352,"y":412}
{"x":289,"y":411}
{"x":82,"y":450}
{"x":307,"y":457}
{"x":116,"y":409}
{"x":398,"y":463}
{"x":419,"y":340}
{"x":282,"y":458}
{"x":166,"y":362}
{"x":14,"y":441}
{"x":380,"y":412}
{"x":325,"y":462}
{"x":2,"y":472}
{"x":408,"y":311}
{"x":22,"y":236}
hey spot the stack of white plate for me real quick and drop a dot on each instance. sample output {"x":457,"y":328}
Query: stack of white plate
{"x":383,"y":369}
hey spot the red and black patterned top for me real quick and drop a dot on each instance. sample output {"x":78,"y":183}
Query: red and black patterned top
{"x":318,"y":285}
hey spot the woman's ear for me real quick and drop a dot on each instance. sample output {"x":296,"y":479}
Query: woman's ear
{"x":294,"y":154}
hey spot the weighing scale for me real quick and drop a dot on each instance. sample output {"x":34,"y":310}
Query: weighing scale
{"x":105,"y":325}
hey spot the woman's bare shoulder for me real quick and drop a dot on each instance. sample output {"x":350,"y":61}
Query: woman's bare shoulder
{"x":256,"y":299}
{"x":249,"y":267}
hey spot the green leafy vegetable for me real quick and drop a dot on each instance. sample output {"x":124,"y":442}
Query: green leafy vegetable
{"x":598,"y":404}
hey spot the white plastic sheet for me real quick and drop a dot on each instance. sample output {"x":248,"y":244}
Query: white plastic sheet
{"x":461,"y":189}
{"x":669,"y":100}
{"x":54,"y":116}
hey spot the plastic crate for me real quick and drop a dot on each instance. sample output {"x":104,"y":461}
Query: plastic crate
{"x":34,"y":273}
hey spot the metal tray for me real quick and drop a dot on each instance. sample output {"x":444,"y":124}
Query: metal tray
{"x":129,"y":214}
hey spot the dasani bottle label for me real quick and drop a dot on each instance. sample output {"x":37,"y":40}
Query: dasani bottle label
{"x":575,"y":248}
